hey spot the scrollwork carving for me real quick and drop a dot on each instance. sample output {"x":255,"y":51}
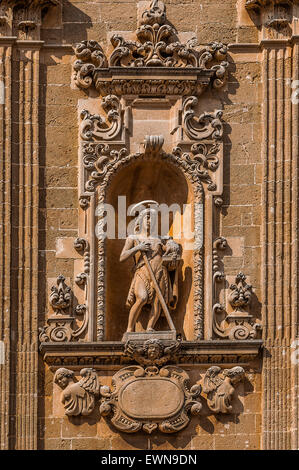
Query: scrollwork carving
{"x":94,"y":126}
{"x":82,"y":245}
{"x":238,"y":325}
{"x":89,"y":55}
{"x":202,"y":160}
{"x":219,"y":386}
{"x":205,"y":126}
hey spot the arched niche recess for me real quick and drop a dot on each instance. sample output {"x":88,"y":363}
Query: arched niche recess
{"x":149,"y":177}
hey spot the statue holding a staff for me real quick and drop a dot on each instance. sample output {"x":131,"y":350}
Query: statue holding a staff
{"x":155,"y":279}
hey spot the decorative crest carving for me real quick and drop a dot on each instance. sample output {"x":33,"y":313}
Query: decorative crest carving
{"x":149,"y":399}
{"x":238,"y":325}
{"x":61,"y":296}
{"x":157,"y":45}
{"x":219,"y":386}
{"x":240,"y":296}
{"x":60,"y":325}
{"x":78,"y":398}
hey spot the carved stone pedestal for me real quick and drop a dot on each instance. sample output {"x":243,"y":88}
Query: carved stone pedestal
{"x":145,"y":335}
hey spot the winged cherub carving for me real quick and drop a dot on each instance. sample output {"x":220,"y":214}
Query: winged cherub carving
{"x":219,"y":387}
{"x":152,"y":352}
{"x":78,"y":398}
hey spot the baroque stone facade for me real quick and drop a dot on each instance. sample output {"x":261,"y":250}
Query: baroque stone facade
{"x":174,"y":102}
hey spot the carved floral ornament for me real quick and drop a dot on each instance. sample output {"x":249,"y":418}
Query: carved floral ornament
{"x":156,"y":46}
{"x":149,"y":396}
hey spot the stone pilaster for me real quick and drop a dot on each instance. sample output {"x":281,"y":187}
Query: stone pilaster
{"x":5,"y":232}
{"x":19,"y":108}
{"x":280,"y":222}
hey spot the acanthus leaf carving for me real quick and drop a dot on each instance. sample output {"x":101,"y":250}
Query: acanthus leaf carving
{"x":219,"y":386}
{"x":156,"y":45}
{"x":89,"y":56}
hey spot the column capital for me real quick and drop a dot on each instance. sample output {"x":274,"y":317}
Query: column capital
{"x":274,"y":18}
{"x":23,"y":18}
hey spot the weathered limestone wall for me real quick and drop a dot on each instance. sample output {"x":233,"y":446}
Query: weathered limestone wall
{"x":39,"y":196}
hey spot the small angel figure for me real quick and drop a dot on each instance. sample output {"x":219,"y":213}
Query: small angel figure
{"x":219,"y":387}
{"x":78,"y":398}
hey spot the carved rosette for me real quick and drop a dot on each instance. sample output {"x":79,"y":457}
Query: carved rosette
{"x":149,"y":399}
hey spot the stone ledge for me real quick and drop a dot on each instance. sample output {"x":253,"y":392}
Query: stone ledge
{"x":109,"y":355}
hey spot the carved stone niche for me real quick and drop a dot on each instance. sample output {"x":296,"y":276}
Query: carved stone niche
{"x":147,"y":133}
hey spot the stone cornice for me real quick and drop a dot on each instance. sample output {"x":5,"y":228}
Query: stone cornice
{"x":106,"y":354}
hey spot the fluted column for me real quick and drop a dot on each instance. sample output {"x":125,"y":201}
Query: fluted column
{"x":5,"y":233}
{"x":278,"y":23}
{"x":19,"y":108}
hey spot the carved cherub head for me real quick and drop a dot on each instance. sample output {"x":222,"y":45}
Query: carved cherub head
{"x":235,"y":374}
{"x":63,"y":377}
{"x":153,"y":349}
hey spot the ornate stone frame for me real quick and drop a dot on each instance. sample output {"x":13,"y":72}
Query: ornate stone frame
{"x":194,"y":145}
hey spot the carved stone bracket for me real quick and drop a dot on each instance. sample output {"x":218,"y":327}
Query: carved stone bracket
{"x":275,"y":14}
{"x":238,"y":325}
